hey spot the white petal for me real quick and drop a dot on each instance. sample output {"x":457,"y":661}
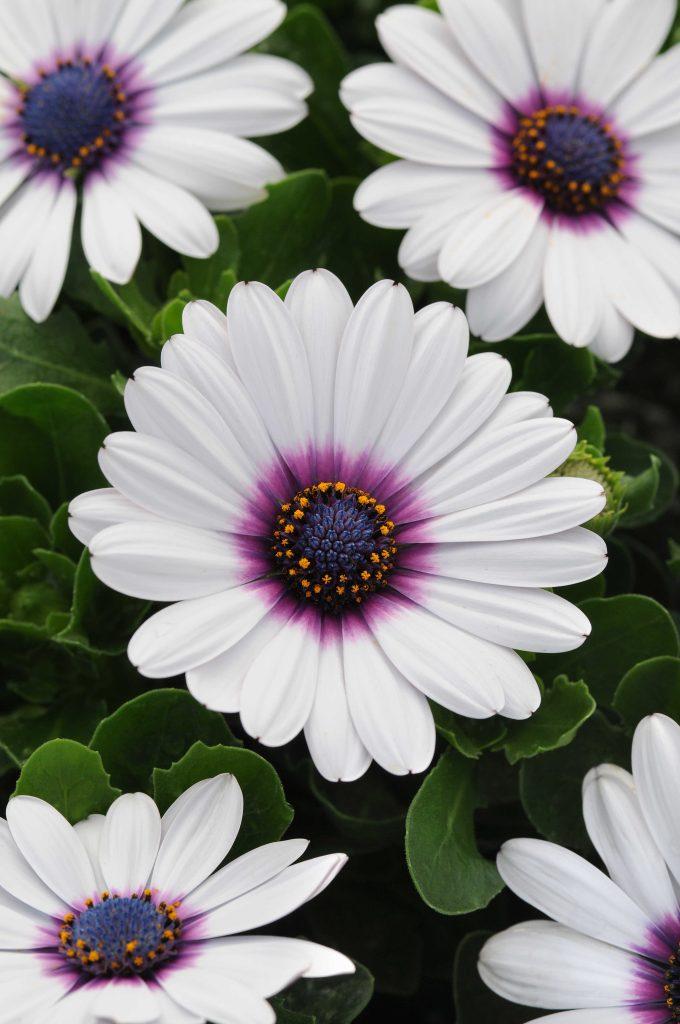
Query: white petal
{"x":615,"y":335}
{"x":169,"y":212}
{"x":622,"y":42}
{"x":12,"y":173}
{"x":391,"y":716}
{"x":279,"y":687}
{"x":167,"y":562}
{"x":170,"y":1012}
{"x":656,"y":767}
{"x":244,"y":874}
{"x":199,"y":837}
{"x":22,"y":927}
{"x":89,"y":831}
{"x":657,"y":244}
{"x":605,"y":1015}
{"x":129,"y":842}
{"x":374,"y":356}
{"x":140,"y":21}
{"x":332,"y":738}
{"x":168,"y":482}
{"x":52,"y":848}
{"x":491,"y":40}
{"x":422,"y":41}
{"x":551,"y":505}
{"x":209,"y":994}
{"x":615,"y":824}
{"x":206,"y":323}
{"x":190,"y":633}
{"x":125,"y":1001}
{"x":19,"y":878}
{"x":657,"y":198}
{"x":518,"y":406}
{"x":653,"y":100}
{"x":501,"y":307}
{"x":97,"y":21}
{"x":487,"y":239}
{"x":396,"y":110}
{"x":263,"y":962}
{"x":458,"y":671}
{"x":273,"y":899}
{"x":272,"y":362}
{"x":22,"y":220}
{"x":41,"y":284}
{"x":483,"y":382}
{"x":518,"y":617}
{"x":558,"y":32}
{"x":73,"y":1008}
{"x":539,"y":963}
{"x":207,"y":33}
{"x":218,"y":683}
{"x":110,"y":232}
{"x":657,"y":152}
{"x":30,"y":985}
{"x":571,"y":283}
{"x":570,"y":890}
{"x":321,"y":307}
{"x":399,"y":194}
{"x":439,"y":355}
{"x":553,"y":561}
{"x":93,"y":511}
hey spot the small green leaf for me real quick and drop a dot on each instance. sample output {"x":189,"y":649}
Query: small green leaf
{"x":19,"y":498}
{"x":337,"y":1000}
{"x":204,"y":277}
{"x":266,"y":814}
{"x":564,"y":708}
{"x":650,"y":686}
{"x":559,"y":371}
{"x":153,"y":731}
{"x":442,"y":856}
{"x":639,"y":493}
{"x":18,"y":537}
{"x":592,"y":428}
{"x":625,"y":629}
{"x":133,"y":308}
{"x":167,"y":321}
{"x":633,"y":457}
{"x":550,"y":786}
{"x":69,"y":776}
{"x":31,"y":725}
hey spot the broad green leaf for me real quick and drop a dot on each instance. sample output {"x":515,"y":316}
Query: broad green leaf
{"x":58,"y":351}
{"x":366,"y":814}
{"x":633,"y":457}
{"x":475,"y":1003}
{"x":650,"y":686}
{"x":563,"y":710}
{"x":153,"y":731}
{"x":204,"y":276}
{"x":625,"y":629}
{"x":18,"y":538}
{"x":559,"y":371}
{"x":60,"y":568}
{"x":25,"y":729}
{"x":442,"y":856}
{"x":550,"y":786}
{"x":470,"y":738}
{"x":51,"y":435}
{"x":276,"y":235}
{"x":69,"y":776}
{"x":337,"y":1000}
{"x":19,"y":498}
{"x":266,"y":814}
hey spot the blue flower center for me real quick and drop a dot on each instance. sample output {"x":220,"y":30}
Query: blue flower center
{"x":121,"y":935}
{"x":74,"y":116}
{"x":573,"y":160}
{"x":333,"y":545}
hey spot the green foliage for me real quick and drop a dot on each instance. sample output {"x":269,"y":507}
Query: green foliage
{"x":70,"y":777}
{"x":326,"y":1000}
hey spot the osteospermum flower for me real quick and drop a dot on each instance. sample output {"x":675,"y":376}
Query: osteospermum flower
{"x":351,"y":516}
{"x":611,"y":953}
{"x":539,"y":141}
{"x":125,"y":918}
{"x":144,"y":103}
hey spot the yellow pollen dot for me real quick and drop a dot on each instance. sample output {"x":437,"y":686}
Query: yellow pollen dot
{"x":375,"y":557}
{"x":138,"y":961}
{"x":365,"y":575}
{"x":131,"y":946}
{"x":380,"y":509}
{"x":298,"y":514}
{"x":289,"y":528}
{"x":323,"y":487}
{"x":305,"y":583}
{"x":80,"y":944}
{"x":285,"y":508}
{"x":340,"y":486}
{"x":304,"y":563}
{"x":93,"y":956}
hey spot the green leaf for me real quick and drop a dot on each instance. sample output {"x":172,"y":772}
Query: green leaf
{"x":326,"y":137}
{"x":559,"y":371}
{"x":550,"y":786}
{"x":204,"y":277}
{"x":592,"y":428}
{"x":650,"y":686}
{"x":633,"y":457}
{"x":564,"y":708}
{"x":276,"y":234}
{"x":266,"y":814}
{"x":18,"y":537}
{"x":132,"y":307}
{"x":58,"y":351}
{"x":625,"y":629}
{"x":446,"y":867}
{"x":470,"y":738}
{"x":639,"y":493}
{"x":475,"y":1003}
{"x":167,"y":321}
{"x":19,"y":498}
{"x":51,"y":435}
{"x":25,"y":729}
{"x":60,"y":567}
{"x":365,"y":813}
{"x":69,"y":776}
{"x":153,"y":731}
{"x":337,"y":1000}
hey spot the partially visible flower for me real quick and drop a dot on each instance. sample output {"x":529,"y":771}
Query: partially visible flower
{"x":587,"y":463}
{"x":611,"y":953}
{"x":352,"y":517}
{"x":145,"y":103}
{"x":125,"y":918}
{"x":539,"y":142}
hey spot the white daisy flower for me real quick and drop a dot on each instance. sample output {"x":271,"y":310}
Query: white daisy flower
{"x":145,"y":104}
{"x":351,"y":515}
{"x":539,"y":141}
{"x":125,"y":917}
{"x":611,"y":953}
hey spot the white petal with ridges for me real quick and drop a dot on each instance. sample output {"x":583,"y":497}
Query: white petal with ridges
{"x":652,"y":102}
{"x":110,"y":231}
{"x":399,"y":194}
{"x":558,"y":32}
{"x":94,"y":511}
{"x":129,"y":842}
{"x":571,"y":284}
{"x":44,"y":277}
{"x":656,"y":766}
{"x":20,"y":880}
{"x":209,"y":995}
